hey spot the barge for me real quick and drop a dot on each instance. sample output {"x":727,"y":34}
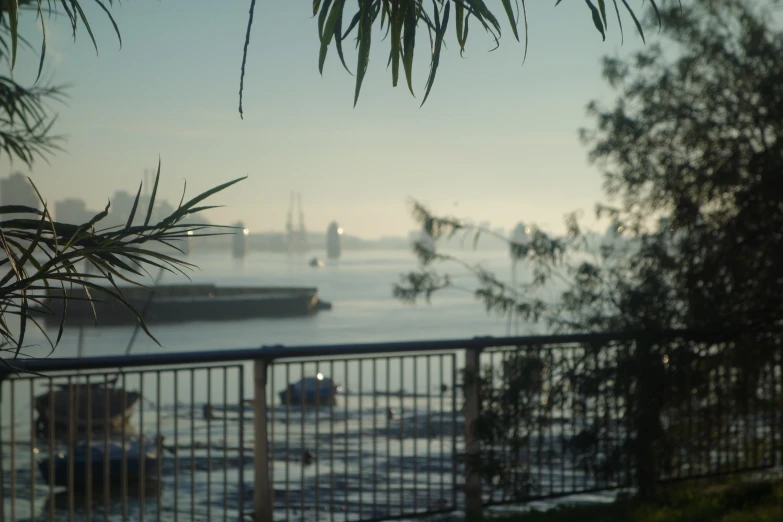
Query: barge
{"x":181,"y":303}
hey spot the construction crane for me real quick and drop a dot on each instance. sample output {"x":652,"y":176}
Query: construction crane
{"x":302,"y":232}
{"x":296,"y":237}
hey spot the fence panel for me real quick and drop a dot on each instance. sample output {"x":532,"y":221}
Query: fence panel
{"x":363,"y":438}
{"x":146,"y":444}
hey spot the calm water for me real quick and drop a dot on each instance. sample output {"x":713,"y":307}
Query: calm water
{"x":359,"y":286}
{"x":362,"y":458}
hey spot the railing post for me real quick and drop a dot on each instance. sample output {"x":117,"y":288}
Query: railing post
{"x":262,"y":500}
{"x":473,"y":500}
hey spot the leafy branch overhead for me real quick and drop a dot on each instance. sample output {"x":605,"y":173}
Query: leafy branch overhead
{"x":42,"y":260}
{"x":401,"y":19}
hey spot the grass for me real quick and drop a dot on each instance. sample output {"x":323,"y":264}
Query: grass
{"x":734,"y":502}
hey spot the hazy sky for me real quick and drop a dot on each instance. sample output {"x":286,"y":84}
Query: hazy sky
{"x":496,"y":140}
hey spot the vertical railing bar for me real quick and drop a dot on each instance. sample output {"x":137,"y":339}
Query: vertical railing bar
{"x":33,"y":452}
{"x":263,"y":505}
{"x":303,"y":449}
{"x":209,"y":441}
{"x":331,"y":449}
{"x":415,"y":363}
{"x":124,"y":477}
{"x":689,"y":414}
{"x":402,"y":435}
{"x":430,"y":430}
{"x":454,"y":410}
{"x":713,"y":464}
{"x":2,"y":463}
{"x":511,"y":460}
{"x":598,"y":480}
{"x":375,"y":438}
{"x":550,"y":413}
{"x":51,"y":448}
{"x":142,"y":449}
{"x":360,"y":362}
{"x":158,"y":448}
{"x":225,"y":444}
{"x":317,"y":435}
{"x":271,"y":434}
{"x":193,"y":444}
{"x":563,"y":361}
{"x":241,"y":441}
{"x":346,"y":458}
{"x":754,"y":425}
{"x":772,"y":411}
{"x":442,"y":467}
{"x":287,"y":439}
{"x":70,"y":454}
{"x":176,"y":445}
{"x":388,"y":436}
{"x":617,"y":415}
{"x":12,"y":441}
{"x":573,"y":432}
{"x":89,"y":467}
{"x":108,"y":428}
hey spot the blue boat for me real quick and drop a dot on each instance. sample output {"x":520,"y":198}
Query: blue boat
{"x":136,"y":459}
{"x":314,"y":391}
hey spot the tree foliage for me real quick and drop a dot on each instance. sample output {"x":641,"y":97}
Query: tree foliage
{"x":692,"y":153}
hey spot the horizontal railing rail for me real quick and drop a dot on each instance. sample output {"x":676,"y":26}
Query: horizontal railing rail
{"x":280,"y":351}
{"x":375,"y":431}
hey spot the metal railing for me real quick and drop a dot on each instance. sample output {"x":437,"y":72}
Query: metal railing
{"x":380,"y":431}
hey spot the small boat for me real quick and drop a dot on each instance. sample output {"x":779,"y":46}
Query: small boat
{"x":316,"y":263}
{"x":90,"y":403}
{"x":137,"y":457}
{"x":313,"y":391}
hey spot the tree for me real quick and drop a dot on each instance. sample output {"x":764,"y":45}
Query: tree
{"x":695,"y":140}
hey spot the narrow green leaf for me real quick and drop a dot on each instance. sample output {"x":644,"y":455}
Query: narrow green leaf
{"x":322,"y":18}
{"x":397,"y":20}
{"x":602,"y":8}
{"x":619,"y":21}
{"x":43,"y":42}
{"x":151,"y":205}
{"x":596,"y":19}
{"x":409,"y":43}
{"x":338,"y":41}
{"x":365,"y":39}
{"x":133,"y":209}
{"x":511,"y":18}
{"x":78,"y":8}
{"x":328,"y":33}
{"x":635,"y":20}
{"x":459,"y":14}
{"x":527,"y":32}
{"x":111,"y":19}
{"x":13,"y":23}
{"x":658,"y":14}
{"x":441,"y":32}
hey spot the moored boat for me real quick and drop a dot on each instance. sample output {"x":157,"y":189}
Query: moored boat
{"x":123,"y":462}
{"x":313,"y":391}
{"x":97,"y":408}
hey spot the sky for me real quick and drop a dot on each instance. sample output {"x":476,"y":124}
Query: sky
{"x":496,"y":141}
